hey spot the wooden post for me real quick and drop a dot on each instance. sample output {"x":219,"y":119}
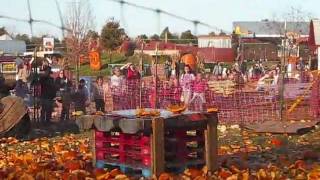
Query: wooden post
{"x":93,"y":146}
{"x":157,"y":146}
{"x":211,"y":138}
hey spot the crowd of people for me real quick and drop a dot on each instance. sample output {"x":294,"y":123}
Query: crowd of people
{"x":125,"y":89}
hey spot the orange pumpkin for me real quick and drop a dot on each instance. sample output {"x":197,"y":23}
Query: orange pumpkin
{"x":224,"y":174}
{"x":177,"y":109}
{"x":95,"y":62}
{"x":190,"y":60}
{"x":211,"y":110}
{"x":72,"y":165}
{"x":276,"y":142}
{"x":115,"y":172}
{"x":193,"y":173}
{"x":165,"y":176}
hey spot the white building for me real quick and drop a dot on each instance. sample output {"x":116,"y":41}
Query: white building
{"x":8,"y":46}
{"x":219,"y":41}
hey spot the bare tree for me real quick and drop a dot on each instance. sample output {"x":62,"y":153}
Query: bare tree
{"x":79,"y":22}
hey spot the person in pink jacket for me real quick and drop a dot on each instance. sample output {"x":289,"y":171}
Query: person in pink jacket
{"x":199,"y":88}
{"x":186,"y":81}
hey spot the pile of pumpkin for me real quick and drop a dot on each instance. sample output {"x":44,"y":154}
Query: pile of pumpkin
{"x":69,"y":157}
{"x":295,"y":171}
{"x":177,"y":108}
{"x":147,"y":113}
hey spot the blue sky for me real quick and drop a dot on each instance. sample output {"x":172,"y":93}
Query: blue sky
{"x":219,"y":13}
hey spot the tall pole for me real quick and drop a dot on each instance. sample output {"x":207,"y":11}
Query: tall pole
{"x":283,"y":72}
{"x":141,"y":66}
{"x":242,"y":50}
{"x":35,"y":87}
{"x":156,"y":80}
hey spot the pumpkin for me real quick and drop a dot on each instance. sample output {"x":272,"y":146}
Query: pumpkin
{"x":72,"y":165}
{"x":100,"y":113}
{"x":165,"y":176}
{"x":190,"y":60}
{"x":95,"y":62}
{"x":176,"y":109}
{"x":121,"y":177}
{"x":193,"y":173}
{"x":115,"y":172}
{"x":224,"y":174}
{"x":314,"y":174}
{"x":77,"y":113}
{"x":211,"y":110}
{"x":143,"y":113}
{"x":154,"y":113}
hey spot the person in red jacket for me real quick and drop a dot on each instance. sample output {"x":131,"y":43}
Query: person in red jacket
{"x":133,"y":85}
{"x":132,"y":72}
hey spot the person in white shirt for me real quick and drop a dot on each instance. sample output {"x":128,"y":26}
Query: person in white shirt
{"x":116,"y":79}
{"x":117,"y":86}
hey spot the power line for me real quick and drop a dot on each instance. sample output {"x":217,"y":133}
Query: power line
{"x":62,"y":27}
{"x":159,"y":11}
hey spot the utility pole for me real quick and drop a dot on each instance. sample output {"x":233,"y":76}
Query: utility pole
{"x":156,"y":76}
{"x":35,"y":87}
{"x":283,"y":72}
{"x":141,"y":67}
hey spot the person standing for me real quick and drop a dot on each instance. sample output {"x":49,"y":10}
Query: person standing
{"x":133,"y":85}
{"x":301,"y":68}
{"x":186,"y":81}
{"x":132,"y":72}
{"x":199,"y":88}
{"x":21,"y":89}
{"x":217,"y":70}
{"x":64,"y":87}
{"x":4,"y":89}
{"x":167,"y":69}
{"x":117,"y":89}
{"x":175,"y":71}
{"x":80,"y":97}
{"x":98,"y":93}
{"x":48,"y":93}
{"x":24,"y":73}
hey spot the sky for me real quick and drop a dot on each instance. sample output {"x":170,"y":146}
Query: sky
{"x":218,"y":13}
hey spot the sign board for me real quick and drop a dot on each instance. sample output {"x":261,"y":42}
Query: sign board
{"x":9,"y":67}
{"x":48,"y":44}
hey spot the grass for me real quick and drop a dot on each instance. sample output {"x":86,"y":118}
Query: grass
{"x":116,"y":58}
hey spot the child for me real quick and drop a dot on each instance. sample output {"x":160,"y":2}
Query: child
{"x":176,"y":91}
{"x":199,"y":87}
{"x":165,"y":94}
{"x":186,"y":81}
{"x":154,"y":92}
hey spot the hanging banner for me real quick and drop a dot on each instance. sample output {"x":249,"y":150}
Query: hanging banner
{"x":95,"y":62}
